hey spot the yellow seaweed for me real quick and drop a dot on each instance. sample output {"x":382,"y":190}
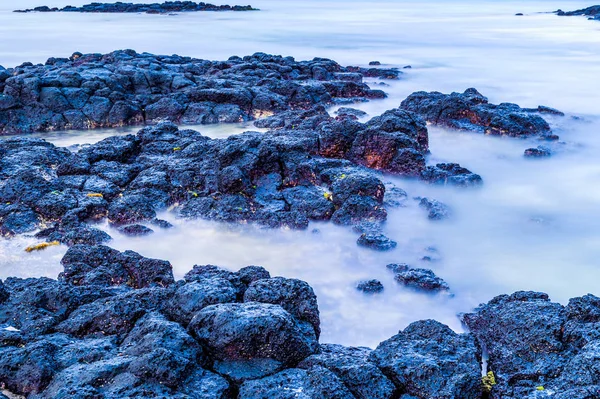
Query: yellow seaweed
{"x":41,"y":246}
{"x":488,"y":381}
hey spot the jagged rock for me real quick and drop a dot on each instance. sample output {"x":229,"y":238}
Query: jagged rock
{"x":376,"y":241}
{"x":429,"y":360}
{"x":252,"y":340}
{"x":421,"y":279}
{"x":471,"y":111}
{"x":370,"y":286}
{"x":437,"y":210}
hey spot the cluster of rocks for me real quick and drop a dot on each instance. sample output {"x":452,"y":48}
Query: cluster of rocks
{"x":153,"y":8}
{"x":471,"y":111}
{"x":126,"y":88}
{"x":309,"y":166}
{"x":116,"y":324}
{"x":537,"y":348}
{"x":417,"y":278}
{"x":592,"y":12}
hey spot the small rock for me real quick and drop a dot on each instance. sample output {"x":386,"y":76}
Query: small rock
{"x":135,"y":230}
{"x":376,"y":241}
{"x":370,"y":286}
{"x":437,"y":210}
{"x":539,"y":152}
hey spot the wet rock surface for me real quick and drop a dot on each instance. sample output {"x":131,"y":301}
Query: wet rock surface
{"x":116,"y":324}
{"x":429,"y":360}
{"x":471,"y":111}
{"x":376,"y":241}
{"x":436,"y":210}
{"x":122,"y":88}
{"x":537,"y":347}
{"x":370,"y":286}
{"x":592,"y":12}
{"x":151,"y":8}
{"x":451,"y":174}
{"x":538,"y":152}
{"x":420,"y":279}
{"x":310,"y":167}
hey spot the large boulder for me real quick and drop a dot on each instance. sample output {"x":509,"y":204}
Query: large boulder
{"x":251,"y":340}
{"x":429,"y":360}
{"x":471,"y":111}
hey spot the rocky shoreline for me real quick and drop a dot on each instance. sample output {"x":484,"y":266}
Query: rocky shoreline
{"x":116,"y":324}
{"x":87,"y":91}
{"x":593,"y":13}
{"x":152,"y":8}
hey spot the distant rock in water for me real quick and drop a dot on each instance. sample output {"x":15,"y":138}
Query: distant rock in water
{"x":421,"y":279}
{"x":88,"y":91}
{"x":592,"y":12}
{"x":370,"y":286}
{"x":539,"y":152}
{"x":452,"y":174}
{"x":152,"y":8}
{"x":376,"y":241}
{"x":134,"y":230}
{"x":437,"y":210}
{"x":471,"y":111}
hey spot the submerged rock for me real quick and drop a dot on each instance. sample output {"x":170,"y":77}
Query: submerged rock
{"x":153,"y":8}
{"x":452,"y":174}
{"x":437,"y":210}
{"x":421,"y":279}
{"x":370,"y":286}
{"x":135,"y":230}
{"x":539,"y":152}
{"x":471,"y":111}
{"x":376,"y":241}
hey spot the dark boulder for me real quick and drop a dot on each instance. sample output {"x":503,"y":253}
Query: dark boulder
{"x":376,"y":241}
{"x":437,"y":210}
{"x":194,"y":296}
{"x":522,"y":335}
{"x":252,"y":339}
{"x":538,"y":152}
{"x":471,"y":111}
{"x":110,"y":316}
{"x":452,"y":174}
{"x":314,"y":383}
{"x":104,"y":266}
{"x":421,"y":279}
{"x":295,"y":296}
{"x":353,"y":367}
{"x":135,"y":230}
{"x":370,"y":286}
{"x":429,"y":360}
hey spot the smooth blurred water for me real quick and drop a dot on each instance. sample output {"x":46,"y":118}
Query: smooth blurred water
{"x":533,"y":225}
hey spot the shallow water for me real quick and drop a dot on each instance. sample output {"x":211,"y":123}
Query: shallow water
{"x":533,"y":225}
{"x":74,"y":138}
